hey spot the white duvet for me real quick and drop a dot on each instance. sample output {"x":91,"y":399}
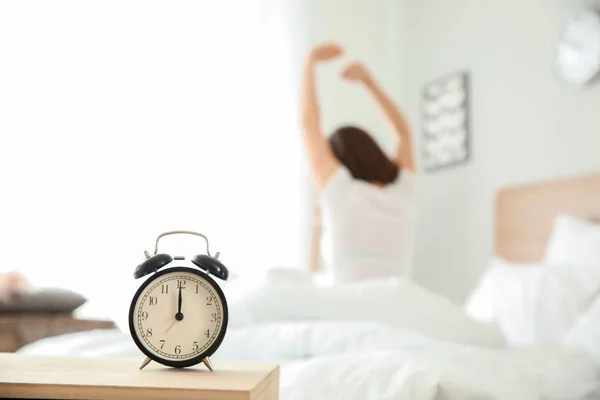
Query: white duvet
{"x":375,"y":340}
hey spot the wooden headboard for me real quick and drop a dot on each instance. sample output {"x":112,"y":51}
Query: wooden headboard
{"x":524,"y":214}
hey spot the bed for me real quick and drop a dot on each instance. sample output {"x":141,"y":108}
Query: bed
{"x":525,"y":214}
{"x":33,"y":313}
{"x":390,"y":338}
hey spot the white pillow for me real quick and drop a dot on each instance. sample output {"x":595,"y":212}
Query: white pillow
{"x":573,"y":241}
{"x":533,"y":303}
{"x":585,"y":332}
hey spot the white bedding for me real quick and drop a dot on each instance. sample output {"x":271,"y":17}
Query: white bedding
{"x":355,"y":356}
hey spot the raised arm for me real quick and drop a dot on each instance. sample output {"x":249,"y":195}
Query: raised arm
{"x":322,"y":161}
{"x":357,"y":72}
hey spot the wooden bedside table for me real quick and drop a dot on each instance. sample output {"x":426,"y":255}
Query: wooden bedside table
{"x":20,"y":329}
{"x":46,"y":377}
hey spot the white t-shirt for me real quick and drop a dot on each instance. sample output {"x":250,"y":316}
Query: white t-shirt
{"x":367,"y":231}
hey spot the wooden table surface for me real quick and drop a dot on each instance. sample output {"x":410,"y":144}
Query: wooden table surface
{"x":51,"y":377}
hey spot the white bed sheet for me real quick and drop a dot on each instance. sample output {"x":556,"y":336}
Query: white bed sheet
{"x":323,"y":357}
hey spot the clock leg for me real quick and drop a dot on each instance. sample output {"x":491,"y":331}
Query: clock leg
{"x":208,"y":363}
{"x":144,"y":363}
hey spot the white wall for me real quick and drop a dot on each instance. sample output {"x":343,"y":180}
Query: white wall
{"x":122,"y":120}
{"x":525,"y":123}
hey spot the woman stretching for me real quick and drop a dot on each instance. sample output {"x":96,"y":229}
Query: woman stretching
{"x":366,"y":198}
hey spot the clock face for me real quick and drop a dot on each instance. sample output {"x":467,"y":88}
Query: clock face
{"x":578,"y":53}
{"x":178,"y":316}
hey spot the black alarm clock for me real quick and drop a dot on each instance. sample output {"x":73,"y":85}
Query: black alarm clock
{"x":178,"y":316}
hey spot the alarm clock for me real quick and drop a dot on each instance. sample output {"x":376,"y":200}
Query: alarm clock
{"x":178,"y":316}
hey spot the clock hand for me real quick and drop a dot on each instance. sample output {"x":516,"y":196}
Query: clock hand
{"x":169,"y":328}
{"x":179,"y":315}
{"x":179,"y":301}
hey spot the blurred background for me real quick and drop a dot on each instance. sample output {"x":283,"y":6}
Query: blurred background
{"x":121,"y":120}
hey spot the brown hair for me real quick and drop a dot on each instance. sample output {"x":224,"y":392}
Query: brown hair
{"x":361,"y":155}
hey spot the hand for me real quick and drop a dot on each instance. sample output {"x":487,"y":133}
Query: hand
{"x":179,"y":315}
{"x":170,"y":326}
{"x":179,"y":301}
{"x":325,"y":52}
{"x":356,"y":72}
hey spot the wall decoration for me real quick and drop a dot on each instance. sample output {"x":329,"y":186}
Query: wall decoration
{"x":578,"y":49}
{"x":445,"y":123}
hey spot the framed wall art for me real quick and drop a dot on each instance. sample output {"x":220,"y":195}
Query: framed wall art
{"x":445,"y":121}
